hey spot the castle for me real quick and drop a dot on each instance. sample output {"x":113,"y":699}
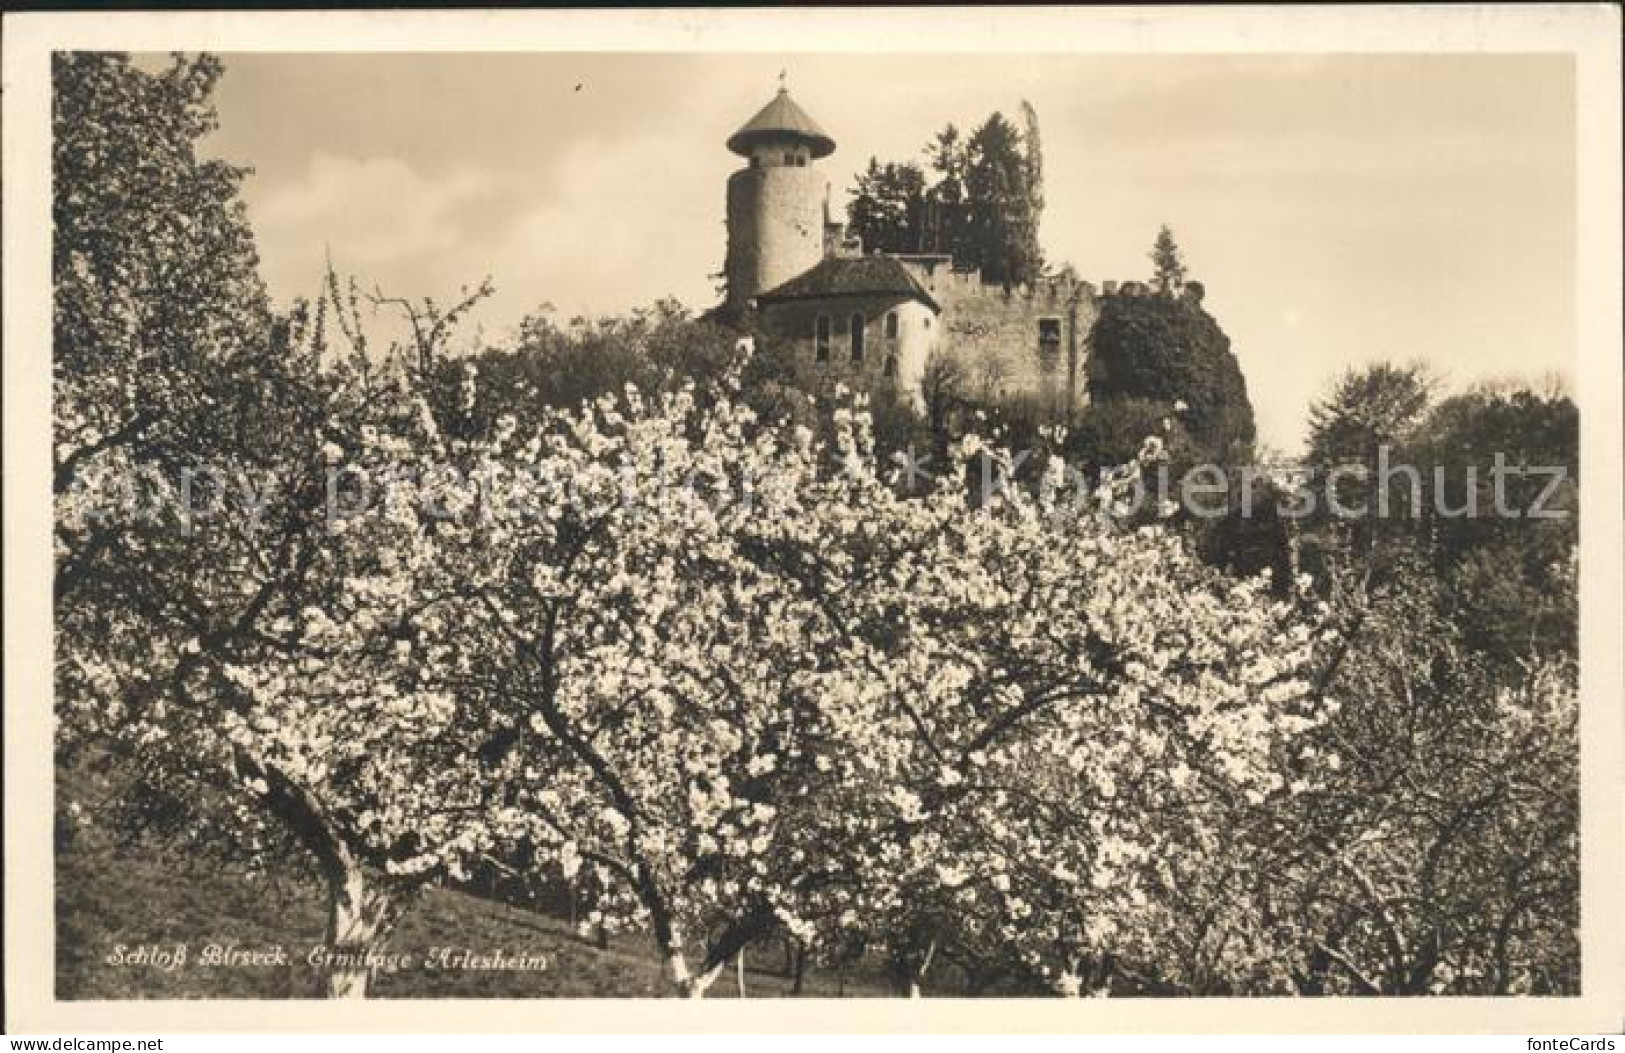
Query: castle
{"x":871,"y":321}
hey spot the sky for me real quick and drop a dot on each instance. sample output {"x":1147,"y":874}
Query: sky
{"x":1339,"y":209}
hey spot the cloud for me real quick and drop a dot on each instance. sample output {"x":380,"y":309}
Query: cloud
{"x":623,"y":223}
{"x":371,"y":211}
{"x":599,"y":227}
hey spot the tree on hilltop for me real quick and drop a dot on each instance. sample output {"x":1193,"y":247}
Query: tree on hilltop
{"x":1169,"y":266}
{"x":979,"y":199}
{"x":888,"y":208}
{"x":1171,"y":351}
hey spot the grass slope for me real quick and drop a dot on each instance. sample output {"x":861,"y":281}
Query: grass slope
{"x":107,"y":895}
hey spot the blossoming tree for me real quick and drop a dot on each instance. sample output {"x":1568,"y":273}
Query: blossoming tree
{"x":280,"y":672}
{"x":1063,"y":701}
{"x":675,"y":704}
{"x":756,"y":686}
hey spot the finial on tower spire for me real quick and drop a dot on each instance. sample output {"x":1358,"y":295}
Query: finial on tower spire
{"x":783,"y":88}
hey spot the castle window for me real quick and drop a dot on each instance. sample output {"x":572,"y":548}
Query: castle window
{"x":891,"y":367}
{"x":857,"y":336}
{"x":1049,"y":340}
{"x":891,"y":326}
{"x":821,"y":338}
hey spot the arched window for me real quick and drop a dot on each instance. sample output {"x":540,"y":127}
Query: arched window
{"x":821,"y":338}
{"x":857,"y":336}
{"x":891,"y":326}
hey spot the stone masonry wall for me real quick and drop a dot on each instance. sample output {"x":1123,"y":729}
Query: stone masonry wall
{"x":997,"y":334}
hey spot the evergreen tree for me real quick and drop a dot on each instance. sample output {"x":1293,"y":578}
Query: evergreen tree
{"x":1003,"y":235}
{"x":888,"y":207}
{"x":978,"y":200}
{"x":1169,"y":273}
{"x":1033,"y":158}
{"x":945,"y":199}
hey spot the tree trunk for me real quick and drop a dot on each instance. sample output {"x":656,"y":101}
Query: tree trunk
{"x":702,"y":983}
{"x":908,"y":969}
{"x":360,"y":914}
{"x":739,"y":969}
{"x":360,"y":917}
{"x":685,"y":983}
{"x":914,"y":988}
{"x":801,"y":968}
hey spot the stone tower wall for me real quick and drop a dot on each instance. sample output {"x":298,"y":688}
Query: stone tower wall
{"x":775,"y":228}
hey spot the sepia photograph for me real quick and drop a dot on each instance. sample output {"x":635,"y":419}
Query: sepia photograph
{"x":623,"y":517}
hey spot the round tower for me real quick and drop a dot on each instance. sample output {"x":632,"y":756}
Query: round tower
{"x":775,"y":203}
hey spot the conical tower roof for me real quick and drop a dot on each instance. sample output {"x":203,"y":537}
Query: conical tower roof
{"x":781,"y":119}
